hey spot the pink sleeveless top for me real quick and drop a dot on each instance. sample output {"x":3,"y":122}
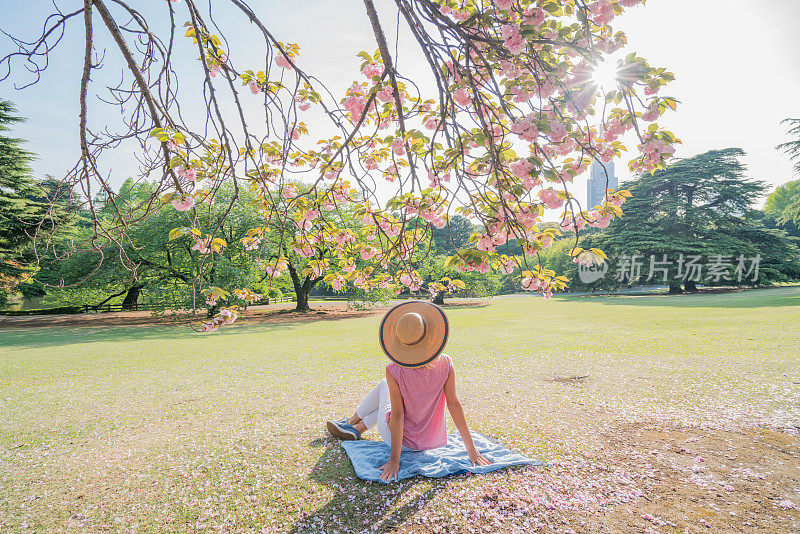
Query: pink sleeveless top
{"x":423,"y":398}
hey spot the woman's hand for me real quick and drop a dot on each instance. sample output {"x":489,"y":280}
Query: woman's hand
{"x":390,"y":469}
{"x":477,"y":458}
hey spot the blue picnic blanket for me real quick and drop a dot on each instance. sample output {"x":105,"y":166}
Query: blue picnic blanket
{"x":367,"y":456}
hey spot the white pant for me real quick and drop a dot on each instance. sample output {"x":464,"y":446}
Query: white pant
{"x":374,"y":408}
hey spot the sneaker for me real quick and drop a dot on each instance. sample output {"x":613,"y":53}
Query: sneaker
{"x":343,"y":430}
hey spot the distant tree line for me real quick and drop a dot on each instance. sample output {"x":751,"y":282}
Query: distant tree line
{"x":693,"y":223}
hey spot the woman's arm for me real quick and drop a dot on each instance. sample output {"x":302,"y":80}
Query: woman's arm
{"x":396,"y":422}
{"x":457,"y":413}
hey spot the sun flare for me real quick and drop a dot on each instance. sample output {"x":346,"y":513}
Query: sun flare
{"x":606,"y":75}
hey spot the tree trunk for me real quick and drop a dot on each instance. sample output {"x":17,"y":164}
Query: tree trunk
{"x":302,"y":299}
{"x":301,"y":290}
{"x":132,"y":298}
{"x":690,"y":285}
{"x":439,"y":298}
{"x":675,"y":288}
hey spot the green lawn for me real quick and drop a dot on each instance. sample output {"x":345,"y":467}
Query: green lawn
{"x":166,"y":429}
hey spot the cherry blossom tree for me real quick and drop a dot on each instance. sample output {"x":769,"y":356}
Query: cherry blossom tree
{"x":514,"y":114}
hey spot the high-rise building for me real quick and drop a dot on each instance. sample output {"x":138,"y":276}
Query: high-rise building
{"x":598,"y":183}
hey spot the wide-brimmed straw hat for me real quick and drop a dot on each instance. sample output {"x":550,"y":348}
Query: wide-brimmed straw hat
{"x":413,"y":333}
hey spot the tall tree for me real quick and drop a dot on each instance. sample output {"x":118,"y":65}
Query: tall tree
{"x":780,"y":206}
{"x":146,"y":262}
{"x":16,"y":212}
{"x":791,"y":210}
{"x":698,"y":207}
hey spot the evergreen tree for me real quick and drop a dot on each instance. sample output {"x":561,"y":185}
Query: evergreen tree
{"x":17,"y":213}
{"x":453,"y":236}
{"x":791,"y":211}
{"x":699,"y":206}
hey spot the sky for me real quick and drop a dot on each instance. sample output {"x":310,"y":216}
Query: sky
{"x":735,"y":61}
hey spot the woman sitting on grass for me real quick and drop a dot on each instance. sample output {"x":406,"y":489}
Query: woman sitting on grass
{"x":408,"y":405}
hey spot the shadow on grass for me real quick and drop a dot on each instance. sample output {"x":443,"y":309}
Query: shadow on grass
{"x":50,"y":336}
{"x":358,"y":505}
{"x":467,"y":306}
{"x":760,"y":298}
{"x":41,"y":334}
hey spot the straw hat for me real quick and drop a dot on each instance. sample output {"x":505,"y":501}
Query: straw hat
{"x":413,"y":333}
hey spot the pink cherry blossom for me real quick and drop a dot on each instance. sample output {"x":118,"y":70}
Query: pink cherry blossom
{"x":526,"y":128}
{"x":331,"y":173}
{"x":386,"y":94}
{"x":652,"y":112}
{"x":183,"y":203}
{"x":601,"y":220}
{"x":551,"y":198}
{"x":437,"y":179}
{"x":522,"y":168}
{"x":455,"y":13}
{"x":546,"y":89}
{"x":276,"y":269}
{"x":209,"y":326}
{"x":462,"y":97}
{"x":228,"y":316}
{"x":251,"y":243}
{"x":254,"y":87}
{"x":203,"y":246}
{"x":531,"y":181}
{"x":531,"y":283}
{"x":507,"y":265}
{"x":355,"y":106}
{"x":653,"y":151}
{"x":338,"y":283}
{"x":503,"y":4}
{"x":397,"y":146}
{"x":306,"y":220}
{"x":558,"y":130}
{"x":304,"y":250}
{"x":527,"y":217}
{"x":652,"y":89}
{"x":572,"y":224}
{"x":534,"y":16}
{"x":372,"y":69}
{"x":513,"y":39}
{"x":520,"y":95}
{"x":368,"y":253}
{"x":190,"y":173}
{"x":282,"y":62}
{"x":484,"y":242}
{"x":602,"y":12}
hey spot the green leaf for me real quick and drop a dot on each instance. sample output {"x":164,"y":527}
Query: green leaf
{"x":175,"y":233}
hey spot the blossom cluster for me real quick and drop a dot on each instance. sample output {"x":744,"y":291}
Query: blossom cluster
{"x":518,"y":119}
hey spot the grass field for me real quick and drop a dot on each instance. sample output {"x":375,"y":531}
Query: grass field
{"x":163,"y":429}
